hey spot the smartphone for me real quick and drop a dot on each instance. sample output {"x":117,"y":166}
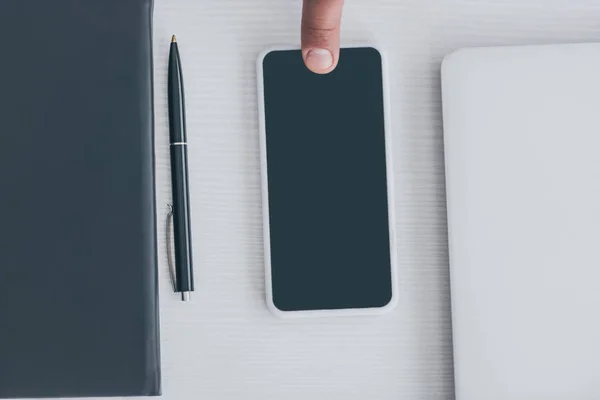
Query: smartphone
{"x":327,"y":185}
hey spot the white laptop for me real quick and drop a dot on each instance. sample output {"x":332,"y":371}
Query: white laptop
{"x":522,"y":142}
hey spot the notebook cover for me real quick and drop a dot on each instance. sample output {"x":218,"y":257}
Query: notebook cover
{"x":78,"y":268}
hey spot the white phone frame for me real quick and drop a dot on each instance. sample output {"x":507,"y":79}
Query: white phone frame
{"x":265,"y":198}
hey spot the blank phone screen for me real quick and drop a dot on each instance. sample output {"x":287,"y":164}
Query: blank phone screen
{"x":327,"y":183}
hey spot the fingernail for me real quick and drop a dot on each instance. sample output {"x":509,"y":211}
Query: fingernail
{"x":319,"y":59}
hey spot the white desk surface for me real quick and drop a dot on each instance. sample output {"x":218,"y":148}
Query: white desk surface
{"x":225,"y":344}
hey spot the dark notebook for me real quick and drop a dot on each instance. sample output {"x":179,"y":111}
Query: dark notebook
{"x":78,"y":270}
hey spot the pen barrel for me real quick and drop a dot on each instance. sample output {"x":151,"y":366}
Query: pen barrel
{"x":181,"y":219}
{"x":177,"y":124}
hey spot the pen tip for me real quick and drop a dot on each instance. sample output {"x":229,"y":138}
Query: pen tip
{"x":174,"y":39}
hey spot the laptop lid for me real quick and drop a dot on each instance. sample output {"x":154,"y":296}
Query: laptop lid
{"x":522,"y":135}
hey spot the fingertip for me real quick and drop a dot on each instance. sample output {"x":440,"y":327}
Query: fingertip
{"x":319,"y":61}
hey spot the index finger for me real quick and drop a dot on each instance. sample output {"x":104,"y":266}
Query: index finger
{"x":321,"y":20}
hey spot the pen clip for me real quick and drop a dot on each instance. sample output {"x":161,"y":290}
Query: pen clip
{"x":170,"y":248}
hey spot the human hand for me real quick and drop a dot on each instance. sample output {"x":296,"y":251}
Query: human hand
{"x":321,"y":21}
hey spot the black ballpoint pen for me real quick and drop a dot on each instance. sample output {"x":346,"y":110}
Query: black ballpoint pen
{"x":179,"y":177}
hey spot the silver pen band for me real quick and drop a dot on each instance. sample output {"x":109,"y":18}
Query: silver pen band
{"x":179,"y":144}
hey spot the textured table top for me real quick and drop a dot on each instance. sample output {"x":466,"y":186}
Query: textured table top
{"x":225,"y":344}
